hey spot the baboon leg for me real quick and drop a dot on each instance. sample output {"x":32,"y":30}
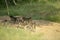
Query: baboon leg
{"x":33,"y":27}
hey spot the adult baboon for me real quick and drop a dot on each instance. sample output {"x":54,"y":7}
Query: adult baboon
{"x":13,"y":19}
{"x":27,"y":19}
{"x":29,"y":23}
{"x":16,"y":19}
{"x":24,"y":21}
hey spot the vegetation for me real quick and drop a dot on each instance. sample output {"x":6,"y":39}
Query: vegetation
{"x":37,"y":9}
{"x":8,"y":33}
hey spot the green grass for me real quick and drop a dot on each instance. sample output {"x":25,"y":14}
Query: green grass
{"x":10,"y":33}
{"x":37,"y":10}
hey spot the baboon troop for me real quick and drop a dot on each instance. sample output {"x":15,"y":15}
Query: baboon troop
{"x":25,"y":22}
{"x":20,"y":19}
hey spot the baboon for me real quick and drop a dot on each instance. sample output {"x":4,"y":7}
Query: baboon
{"x":25,"y":22}
{"x":29,"y":24}
{"x":19,"y":19}
{"x":14,"y":19}
{"x":26,"y":19}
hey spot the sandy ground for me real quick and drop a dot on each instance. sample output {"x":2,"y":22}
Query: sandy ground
{"x":50,"y":32}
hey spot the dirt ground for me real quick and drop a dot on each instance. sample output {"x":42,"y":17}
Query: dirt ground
{"x":50,"y":30}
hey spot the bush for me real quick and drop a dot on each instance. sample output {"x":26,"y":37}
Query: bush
{"x":53,"y":1}
{"x":26,"y":1}
{"x":53,"y":18}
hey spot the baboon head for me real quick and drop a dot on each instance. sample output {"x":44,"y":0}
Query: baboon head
{"x":13,"y":18}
